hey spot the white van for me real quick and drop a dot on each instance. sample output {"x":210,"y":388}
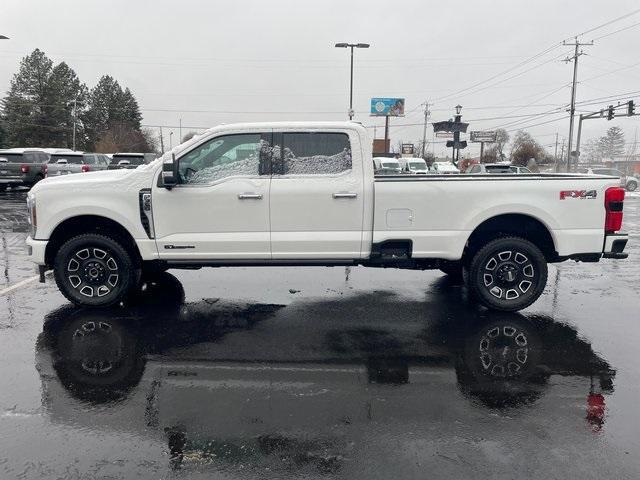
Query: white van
{"x":414,"y":166}
{"x":443,"y":167}
{"x":386,"y":166}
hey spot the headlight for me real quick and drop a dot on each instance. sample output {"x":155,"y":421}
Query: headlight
{"x":33,"y":218}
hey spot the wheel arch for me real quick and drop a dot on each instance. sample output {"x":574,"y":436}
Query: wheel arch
{"x":82,"y":224}
{"x":516,"y":224}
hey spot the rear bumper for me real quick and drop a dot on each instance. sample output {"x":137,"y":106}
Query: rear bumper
{"x":614,"y":244}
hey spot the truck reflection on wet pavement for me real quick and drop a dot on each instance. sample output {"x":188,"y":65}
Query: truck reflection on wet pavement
{"x":342,"y":395}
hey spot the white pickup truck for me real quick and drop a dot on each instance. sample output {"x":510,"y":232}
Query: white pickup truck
{"x":294,"y":194}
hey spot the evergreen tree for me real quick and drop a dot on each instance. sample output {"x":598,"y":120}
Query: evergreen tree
{"x":38,"y":108}
{"x":612,"y":143}
{"x":25,"y":108}
{"x":66,"y":93}
{"x":109,"y":107}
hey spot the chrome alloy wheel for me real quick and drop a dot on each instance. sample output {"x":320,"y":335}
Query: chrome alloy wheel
{"x":508,"y":275}
{"x":93,"y":272}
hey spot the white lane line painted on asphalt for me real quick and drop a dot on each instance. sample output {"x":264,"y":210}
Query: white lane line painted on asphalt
{"x":22,"y":283}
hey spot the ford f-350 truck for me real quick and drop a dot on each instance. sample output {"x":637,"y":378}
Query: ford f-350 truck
{"x":300,"y":194}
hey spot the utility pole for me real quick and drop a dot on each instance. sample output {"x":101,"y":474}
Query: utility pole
{"x":555,"y":153}
{"x":572,"y":109}
{"x":180,"y":138}
{"x":161,"y":142}
{"x":424,"y":130}
{"x":562,"y":152}
{"x":75,"y":116}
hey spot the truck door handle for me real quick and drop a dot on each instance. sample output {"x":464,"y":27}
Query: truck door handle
{"x":345,"y":195}
{"x":249,"y":196}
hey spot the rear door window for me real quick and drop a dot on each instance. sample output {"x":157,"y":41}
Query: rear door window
{"x":312,"y":153}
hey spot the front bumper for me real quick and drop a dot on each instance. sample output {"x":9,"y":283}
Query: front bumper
{"x":614,"y":244}
{"x":36,"y":250}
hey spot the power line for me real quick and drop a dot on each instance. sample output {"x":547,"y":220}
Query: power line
{"x":617,"y":31}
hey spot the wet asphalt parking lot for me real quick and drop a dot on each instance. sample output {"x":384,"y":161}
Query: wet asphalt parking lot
{"x":319,"y":373}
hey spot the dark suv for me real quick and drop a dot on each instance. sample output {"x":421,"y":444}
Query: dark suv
{"x":130,"y":160}
{"x":22,"y":167}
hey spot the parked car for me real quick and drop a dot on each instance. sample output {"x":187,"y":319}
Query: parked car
{"x":443,"y":168}
{"x":386,"y":166}
{"x":22,"y":167}
{"x":307,"y":195}
{"x":130,"y":160}
{"x":76,"y":162}
{"x":629,"y":182}
{"x":414,"y":166}
{"x":496,"y":168}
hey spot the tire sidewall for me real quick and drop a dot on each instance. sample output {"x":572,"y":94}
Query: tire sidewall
{"x":631,"y":186}
{"x":476,"y":273}
{"x":126,"y":269}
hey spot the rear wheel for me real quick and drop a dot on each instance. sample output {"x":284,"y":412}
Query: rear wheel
{"x":632,"y":186}
{"x":94,"y":270}
{"x":508,"y":274}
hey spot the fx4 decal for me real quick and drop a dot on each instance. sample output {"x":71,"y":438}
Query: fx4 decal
{"x":581,"y":194}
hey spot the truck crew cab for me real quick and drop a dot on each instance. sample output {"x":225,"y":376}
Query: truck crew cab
{"x":294,"y":193}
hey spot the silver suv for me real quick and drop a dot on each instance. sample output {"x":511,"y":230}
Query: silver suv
{"x":627,"y":181}
{"x":76,"y":162}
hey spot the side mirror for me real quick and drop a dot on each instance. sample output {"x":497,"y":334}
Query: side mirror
{"x":170,"y":172}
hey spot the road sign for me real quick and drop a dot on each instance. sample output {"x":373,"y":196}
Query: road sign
{"x":488,"y":136}
{"x":459,"y":145}
{"x":407,"y":148}
{"x":387,"y":107}
{"x":444,"y":134}
{"x":450,"y":126}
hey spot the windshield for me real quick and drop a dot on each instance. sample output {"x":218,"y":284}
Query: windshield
{"x":11,"y":157}
{"x":417,"y":166}
{"x":127,"y":160}
{"x":500,"y":169}
{"x":390,"y":165}
{"x":77,"y":159}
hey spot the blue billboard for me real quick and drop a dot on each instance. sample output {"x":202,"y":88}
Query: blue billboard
{"x":392,"y":107}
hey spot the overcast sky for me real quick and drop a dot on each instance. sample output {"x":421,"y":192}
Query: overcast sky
{"x":228,"y":61}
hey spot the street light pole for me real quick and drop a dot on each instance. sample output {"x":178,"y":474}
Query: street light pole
{"x":351,"y":46}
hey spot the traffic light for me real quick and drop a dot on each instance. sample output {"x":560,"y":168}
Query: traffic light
{"x":631,"y":108}
{"x":610,"y":112}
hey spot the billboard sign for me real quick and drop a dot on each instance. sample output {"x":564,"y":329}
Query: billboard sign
{"x":391,"y":107}
{"x":407,"y":149}
{"x":488,"y":136}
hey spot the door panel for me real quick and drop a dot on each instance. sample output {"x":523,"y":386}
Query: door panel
{"x":316,"y":197}
{"x":220,"y":209}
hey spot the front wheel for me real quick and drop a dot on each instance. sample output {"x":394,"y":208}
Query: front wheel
{"x":94,"y":270}
{"x":632,"y":186}
{"x":508,"y":274}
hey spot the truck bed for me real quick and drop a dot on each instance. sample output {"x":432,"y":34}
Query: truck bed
{"x":439,"y":212}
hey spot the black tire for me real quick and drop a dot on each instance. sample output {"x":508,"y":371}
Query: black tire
{"x":94,"y":270}
{"x":508,"y":274}
{"x":453,"y":269}
{"x":632,"y":186}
